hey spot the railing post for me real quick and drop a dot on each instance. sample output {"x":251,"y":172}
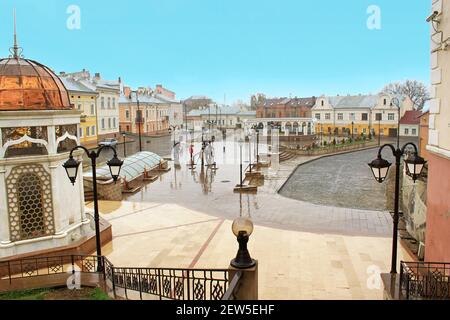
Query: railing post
{"x":140,"y":284}
{"x":73,"y":264}
{"x":159,"y":284}
{"x":188,"y":284}
{"x":104,"y":269}
{"x":248,"y":288}
{"x":113,"y":279}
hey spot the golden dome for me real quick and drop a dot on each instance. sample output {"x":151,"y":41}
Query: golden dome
{"x":28,"y":85}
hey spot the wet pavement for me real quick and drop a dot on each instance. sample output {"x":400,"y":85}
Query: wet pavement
{"x":211,"y":192}
{"x":341,"y":181}
{"x":305,"y":251}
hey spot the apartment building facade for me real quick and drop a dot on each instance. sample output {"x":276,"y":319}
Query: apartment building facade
{"x":85,"y":100}
{"x":375,"y":114}
{"x":107,"y":110}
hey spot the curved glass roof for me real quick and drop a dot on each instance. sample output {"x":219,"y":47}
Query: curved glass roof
{"x":132,"y":167}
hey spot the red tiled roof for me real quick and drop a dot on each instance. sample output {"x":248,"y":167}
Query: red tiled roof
{"x":411,"y":117}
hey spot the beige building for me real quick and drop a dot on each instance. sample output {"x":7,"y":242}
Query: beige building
{"x":107,"y":101}
{"x":376,"y":114}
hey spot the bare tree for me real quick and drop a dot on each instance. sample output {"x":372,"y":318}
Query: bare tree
{"x":415,"y":90}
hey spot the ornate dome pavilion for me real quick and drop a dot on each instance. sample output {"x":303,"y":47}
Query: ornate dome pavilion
{"x":28,"y":85}
{"x":39,"y":208}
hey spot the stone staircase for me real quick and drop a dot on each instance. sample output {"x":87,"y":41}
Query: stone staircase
{"x":286,"y":155}
{"x":88,"y":195}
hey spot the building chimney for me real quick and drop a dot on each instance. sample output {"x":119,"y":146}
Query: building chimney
{"x":62,"y":73}
{"x":97,"y":76}
{"x":126,"y":91}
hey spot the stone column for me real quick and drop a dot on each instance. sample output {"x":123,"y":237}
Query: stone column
{"x":51,"y":136}
{"x":4,"y":215}
{"x":57,"y":218}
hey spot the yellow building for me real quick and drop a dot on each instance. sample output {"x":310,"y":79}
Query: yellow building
{"x":375,"y":114}
{"x":84,"y":99}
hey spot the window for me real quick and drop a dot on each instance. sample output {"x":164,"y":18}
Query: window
{"x":391,"y":116}
{"x":364,"y":116}
{"x":103,"y":123}
{"x":102,"y":102}
{"x":414,"y":132}
{"x":92,"y":109}
{"x":81,"y":132}
{"x":384,"y":102}
{"x":87,"y":131}
{"x":322,"y":103}
{"x":406,"y":131}
{"x":364,"y":130}
{"x":352,"y":116}
{"x":114,"y":123}
{"x":109,"y":103}
{"x":79,"y":106}
{"x":318,"y":116}
{"x":128,"y":128}
{"x":340,"y":116}
{"x":114,"y":103}
{"x":93,"y":130}
{"x":378,"y":116}
{"x":381,"y":132}
{"x":127,"y":114}
{"x":109,"y":123}
{"x":355,"y":130}
{"x":327,"y":116}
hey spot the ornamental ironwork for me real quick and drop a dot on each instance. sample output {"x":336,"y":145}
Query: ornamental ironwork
{"x":425,"y":280}
{"x":30,"y":202}
{"x":164,"y":283}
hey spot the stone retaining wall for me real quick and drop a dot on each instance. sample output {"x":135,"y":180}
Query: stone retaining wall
{"x":331,"y":150}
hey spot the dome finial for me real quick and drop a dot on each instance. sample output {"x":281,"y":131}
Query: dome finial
{"x":16,"y":51}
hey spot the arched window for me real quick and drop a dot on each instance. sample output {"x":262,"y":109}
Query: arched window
{"x":322,"y":103}
{"x":102,"y":102}
{"x":31,"y":213}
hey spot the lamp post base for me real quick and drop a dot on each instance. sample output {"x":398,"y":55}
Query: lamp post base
{"x":243,"y":265}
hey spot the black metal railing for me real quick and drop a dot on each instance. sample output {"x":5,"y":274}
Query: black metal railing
{"x":163,"y":283}
{"x":173,"y":284}
{"x":45,"y":266}
{"x":425,"y":280}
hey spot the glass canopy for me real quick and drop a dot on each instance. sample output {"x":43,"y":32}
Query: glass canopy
{"x":132,"y":167}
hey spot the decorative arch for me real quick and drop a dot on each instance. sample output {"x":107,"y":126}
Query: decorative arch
{"x":23,"y":139}
{"x":66,"y":142}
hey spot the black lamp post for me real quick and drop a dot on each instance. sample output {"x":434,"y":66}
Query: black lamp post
{"x":124,"y":145}
{"x":243,"y":229}
{"x":353,"y":123}
{"x":380,"y":168}
{"x":241,"y":142}
{"x":250,"y":150}
{"x":379,"y":132}
{"x":72,"y":166}
{"x":138,"y":119}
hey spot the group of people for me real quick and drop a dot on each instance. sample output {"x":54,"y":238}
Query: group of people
{"x":207,"y":152}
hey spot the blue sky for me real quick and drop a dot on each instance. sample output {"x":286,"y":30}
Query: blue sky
{"x":233,"y":47}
